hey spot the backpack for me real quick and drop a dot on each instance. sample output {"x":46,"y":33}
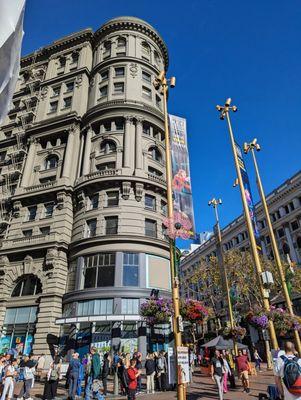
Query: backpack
{"x":160,"y":364}
{"x":292,"y":375}
{"x":28,"y":373}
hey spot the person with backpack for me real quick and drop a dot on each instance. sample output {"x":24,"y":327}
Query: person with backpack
{"x":28,"y":376}
{"x":73,"y":375}
{"x":94,"y":373}
{"x":217,"y":372}
{"x":287,"y":372}
{"x":52,"y":380}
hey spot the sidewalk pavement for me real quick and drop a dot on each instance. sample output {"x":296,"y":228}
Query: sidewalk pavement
{"x":202,"y":387}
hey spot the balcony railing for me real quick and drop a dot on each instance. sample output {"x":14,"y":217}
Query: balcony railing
{"x":41,"y":186}
{"x":97,"y":174}
{"x":157,"y":179}
{"x":30,"y":240}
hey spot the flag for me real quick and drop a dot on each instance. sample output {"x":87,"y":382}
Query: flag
{"x":11,"y":35}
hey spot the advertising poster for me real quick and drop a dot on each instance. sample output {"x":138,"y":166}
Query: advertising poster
{"x":248,"y":195}
{"x":183,"y":364}
{"x":181,"y":181}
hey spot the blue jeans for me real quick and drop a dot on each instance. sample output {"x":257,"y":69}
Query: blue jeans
{"x":88,"y":391}
{"x":73,"y":385}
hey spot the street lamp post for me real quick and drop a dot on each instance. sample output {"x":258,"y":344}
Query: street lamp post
{"x":251,"y":147}
{"x":161,"y":82}
{"x":224,"y":112}
{"x":214,"y":203}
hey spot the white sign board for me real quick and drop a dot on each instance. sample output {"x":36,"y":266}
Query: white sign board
{"x":183,"y":364}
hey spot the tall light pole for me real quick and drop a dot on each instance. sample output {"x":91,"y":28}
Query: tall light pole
{"x":215,"y":203}
{"x":252,"y":147}
{"x":224,"y":113}
{"x":161,"y":82}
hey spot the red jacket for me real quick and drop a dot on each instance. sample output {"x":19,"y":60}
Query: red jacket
{"x":132,"y":372}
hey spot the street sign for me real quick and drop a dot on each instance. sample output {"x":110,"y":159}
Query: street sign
{"x":183,"y":364}
{"x":180,"y":323}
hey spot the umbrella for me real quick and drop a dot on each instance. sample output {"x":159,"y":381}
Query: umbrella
{"x":222,"y":344}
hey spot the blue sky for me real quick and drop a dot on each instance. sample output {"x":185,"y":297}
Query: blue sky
{"x":249,"y":51}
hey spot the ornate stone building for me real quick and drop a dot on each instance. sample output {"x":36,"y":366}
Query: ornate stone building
{"x":285,"y":209}
{"x":83,"y":192}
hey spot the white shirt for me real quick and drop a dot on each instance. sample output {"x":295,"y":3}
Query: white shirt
{"x":279,"y":371}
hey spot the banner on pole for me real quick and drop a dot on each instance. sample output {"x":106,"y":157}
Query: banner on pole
{"x":248,"y":195}
{"x":181,"y":182}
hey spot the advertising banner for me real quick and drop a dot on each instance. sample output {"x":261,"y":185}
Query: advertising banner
{"x":181,"y":182}
{"x":248,"y":195}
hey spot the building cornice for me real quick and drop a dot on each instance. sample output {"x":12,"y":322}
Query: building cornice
{"x":132,"y":24}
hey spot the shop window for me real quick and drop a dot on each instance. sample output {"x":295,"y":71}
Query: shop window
{"x":111,"y":225}
{"x":20,"y":315}
{"x":95,"y":307}
{"x":28,"y":285}
{"x":130,"y":306}
{"x":130,"y":269}
{"x":51,"y":162}
{"x":99,"y":270}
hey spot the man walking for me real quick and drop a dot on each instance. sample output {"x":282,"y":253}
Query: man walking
{"x":105,"y":372}
{"x":73,"y":373}
{"x":288,"y":374}
{"x":217,"y":373}
{"x":243,"y":370}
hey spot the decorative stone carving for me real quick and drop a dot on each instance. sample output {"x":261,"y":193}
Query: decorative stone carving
{"x":27,"y":263}
{"x":126,"y":189}
{"x":16,"y":208}
{"x":51,"y":259}
{"x":81,"y":199}
{"x":92,"y":82}
{"x":133,"y":70}
{"x":78,"y":80}
{"x":139,"y":191}
{"x":44,"y":92}
{"x":60,"y":198}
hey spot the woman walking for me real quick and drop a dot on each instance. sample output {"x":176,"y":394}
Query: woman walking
{"x":150,"y":370}
{"x":52,"y":380}
{"x":258,"y":360}
{"x":226,"y":372}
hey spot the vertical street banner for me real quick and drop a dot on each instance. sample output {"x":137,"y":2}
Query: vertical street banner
{"x":248,"y":195}
{"x":219,"y":255}
{"x":181,"y":182}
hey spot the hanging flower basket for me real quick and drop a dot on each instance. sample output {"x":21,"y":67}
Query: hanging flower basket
{"x":156,"y":311}
{"x":238,"y":332}
{"x":193,"y":311}
{"x":283,"y":321}
{"x":258,"y":319}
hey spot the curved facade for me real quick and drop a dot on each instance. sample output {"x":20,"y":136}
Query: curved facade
{"x":90,"y":195}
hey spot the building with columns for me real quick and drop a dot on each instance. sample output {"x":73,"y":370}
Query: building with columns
{"x":284,"y":205}
{"x":83,"y":191}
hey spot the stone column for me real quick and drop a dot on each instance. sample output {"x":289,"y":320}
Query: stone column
{"x":80,"y":156}
{"x":138,"y":157}
{"x":69,"y":153}
{"x":87,"y":152}
{"x":289,"y":239}
{"x":29,"y":163}
{"x":127,"y":142}
{"x":142,"y":343}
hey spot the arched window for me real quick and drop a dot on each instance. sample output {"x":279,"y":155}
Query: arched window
{"x":107,"y":147}
{"x":146,"y":50}
{"x":299,"y":242}
{"x":51,"y":162}
{"x":155,"y":153}
{"x":286,"y":248}
{"x":28,"y":285}
{"x":121,"y":42}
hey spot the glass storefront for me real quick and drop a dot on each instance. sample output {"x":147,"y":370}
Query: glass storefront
{"x":18,"y":330}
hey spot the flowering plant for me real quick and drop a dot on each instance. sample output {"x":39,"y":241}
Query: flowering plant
{"x":156,"y":311}
{"x":283,"y":321}
{"x":238,"y":332}
{"x":257,"y":318}
{"x":193,"y":310}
